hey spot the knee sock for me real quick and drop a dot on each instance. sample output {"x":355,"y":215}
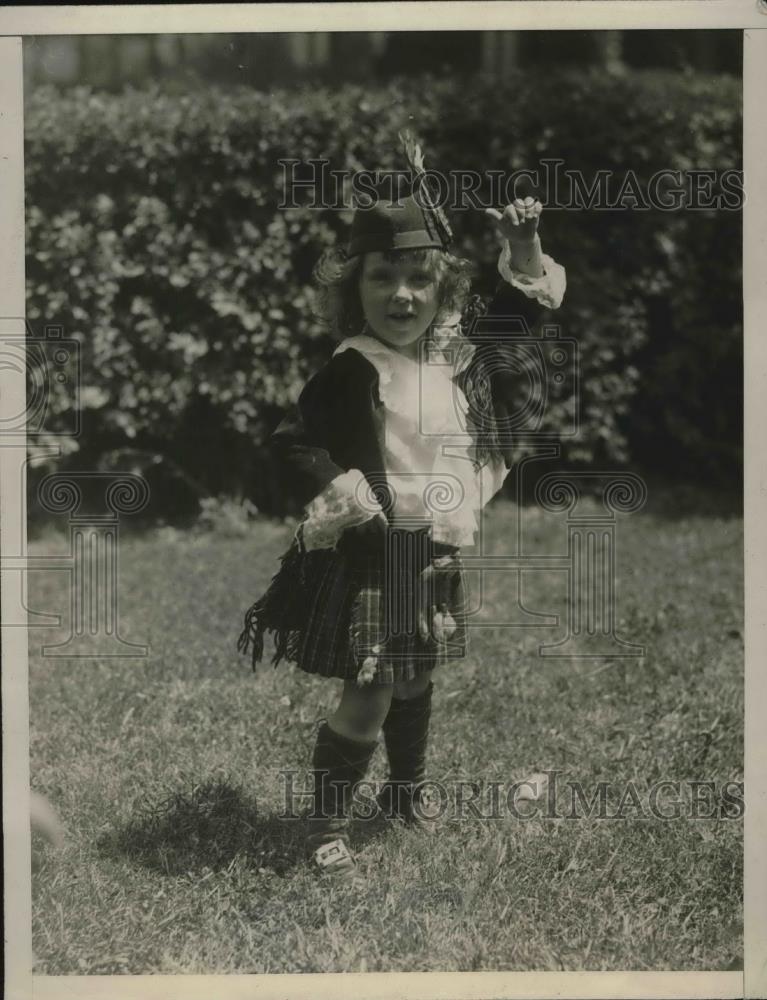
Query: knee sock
{"x":338,"y":763}
{"x":406,"y":733}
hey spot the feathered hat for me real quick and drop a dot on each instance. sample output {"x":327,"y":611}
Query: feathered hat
{"x":410,"y":219}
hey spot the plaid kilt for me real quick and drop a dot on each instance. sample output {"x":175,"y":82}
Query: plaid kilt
{"x":397,"y":613}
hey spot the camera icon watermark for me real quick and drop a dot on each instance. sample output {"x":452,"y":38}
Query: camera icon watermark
{"x":524,"y":375}
{"x":506,"y":379}
{"x":50,"y":366}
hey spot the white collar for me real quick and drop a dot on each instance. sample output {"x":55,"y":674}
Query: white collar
{"x":446,"y":337}
{"x":436,"y":407}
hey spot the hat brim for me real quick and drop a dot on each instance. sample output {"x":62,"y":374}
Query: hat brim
{"x":418,"y":239}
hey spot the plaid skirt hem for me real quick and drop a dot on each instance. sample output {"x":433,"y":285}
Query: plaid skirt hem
{"x":351,"y":616}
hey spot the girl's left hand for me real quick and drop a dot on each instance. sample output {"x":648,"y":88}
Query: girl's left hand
{"x":435,"y":623}
{"x":518,"y":223}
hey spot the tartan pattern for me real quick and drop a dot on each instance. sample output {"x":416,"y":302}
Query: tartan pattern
{"x":364,"y":602}
{"x":360,"y":600}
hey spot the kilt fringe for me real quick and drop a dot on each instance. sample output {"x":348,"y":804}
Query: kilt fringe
{"x":287,"y":642}
{"x":252,"y":634}
{"x":275,"y":612}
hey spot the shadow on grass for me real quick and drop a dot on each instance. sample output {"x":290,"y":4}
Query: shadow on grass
{"x":209,"y":827}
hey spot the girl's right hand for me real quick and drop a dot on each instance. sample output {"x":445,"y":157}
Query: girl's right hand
{"x":518,"y":223}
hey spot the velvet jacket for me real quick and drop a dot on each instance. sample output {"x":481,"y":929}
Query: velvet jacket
{"x":338,"y":422}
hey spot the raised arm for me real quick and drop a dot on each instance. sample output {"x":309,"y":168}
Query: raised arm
{"x":532,"y":282}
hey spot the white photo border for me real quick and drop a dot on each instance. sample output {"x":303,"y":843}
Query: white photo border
{"x":749,"y":15}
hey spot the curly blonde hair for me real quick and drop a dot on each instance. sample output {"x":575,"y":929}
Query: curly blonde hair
{"x":337,"y":277}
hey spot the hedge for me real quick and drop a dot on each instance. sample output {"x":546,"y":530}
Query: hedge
{"x":154,"y":237}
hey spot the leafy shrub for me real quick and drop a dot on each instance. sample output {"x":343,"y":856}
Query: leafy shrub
{"x":227,"y":518}
{"x":155,"y":238}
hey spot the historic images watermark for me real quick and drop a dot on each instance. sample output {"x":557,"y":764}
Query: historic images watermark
{"x":544,"y":796}
{"x":314,"y":184}
{"x":94,"y":501}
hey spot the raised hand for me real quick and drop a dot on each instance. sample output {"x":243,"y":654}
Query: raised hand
{"x":518,"y":222}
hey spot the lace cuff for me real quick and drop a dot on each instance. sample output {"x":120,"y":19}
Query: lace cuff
{"x":344,"y":503}
{"x":549,"y":289}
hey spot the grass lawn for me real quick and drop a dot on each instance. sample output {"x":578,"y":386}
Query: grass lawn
{"x":165,"y":771}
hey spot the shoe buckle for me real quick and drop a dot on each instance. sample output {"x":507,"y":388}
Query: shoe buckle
{"x":333,"y":854}
{"x":428,"y":803}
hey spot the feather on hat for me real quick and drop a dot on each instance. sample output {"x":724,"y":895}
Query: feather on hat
{"x":411,"y":219}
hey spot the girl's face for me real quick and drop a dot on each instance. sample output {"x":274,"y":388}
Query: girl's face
{"x":400,"y":298}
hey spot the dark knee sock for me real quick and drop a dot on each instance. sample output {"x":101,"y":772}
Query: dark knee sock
{"x":338,"y":763}
{"x":406,"y":733}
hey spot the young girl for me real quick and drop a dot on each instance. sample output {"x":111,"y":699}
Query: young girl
{"x":371,"y":590}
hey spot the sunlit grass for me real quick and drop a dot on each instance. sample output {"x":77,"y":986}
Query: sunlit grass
{"x":166,"y":772}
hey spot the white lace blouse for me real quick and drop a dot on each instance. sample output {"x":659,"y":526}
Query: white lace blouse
{"x":428,"y":449}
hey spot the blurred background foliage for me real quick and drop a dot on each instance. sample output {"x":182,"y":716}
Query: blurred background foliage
{"x":282,"y":59}
{"x":155,"y":238}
